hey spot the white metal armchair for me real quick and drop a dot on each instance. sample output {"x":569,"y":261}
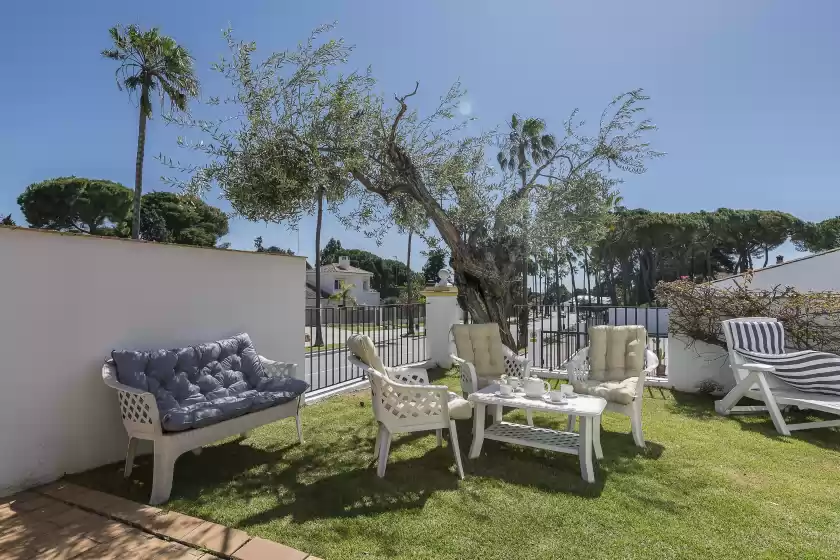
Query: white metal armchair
{"x":614,"y":366}
{"x":403,"y":401}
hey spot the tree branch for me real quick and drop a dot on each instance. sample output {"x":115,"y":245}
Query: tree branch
{"x":403,"y":109}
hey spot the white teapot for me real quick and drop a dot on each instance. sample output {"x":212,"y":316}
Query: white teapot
{"x":535,"y":387}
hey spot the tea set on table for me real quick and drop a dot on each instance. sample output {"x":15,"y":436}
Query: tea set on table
{"x":533,"y":388}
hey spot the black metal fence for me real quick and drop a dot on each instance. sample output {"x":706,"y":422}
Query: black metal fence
{"x":397,"y":331}
{"x":553,"y":333}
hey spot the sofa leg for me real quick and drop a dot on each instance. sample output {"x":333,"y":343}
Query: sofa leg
{"x":244,"y":435}
{"x":129,"y":456}
{"x":439,"y":437}
{"x":162,"y":475}
{"x":196,"y":451}
{"x":298,"y":426}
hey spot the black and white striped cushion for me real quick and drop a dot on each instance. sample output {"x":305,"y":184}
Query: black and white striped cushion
{"x":766,"y":337}
{"x":806,"y":370}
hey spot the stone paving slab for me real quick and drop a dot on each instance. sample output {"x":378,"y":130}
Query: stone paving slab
{"x":63,"y":521}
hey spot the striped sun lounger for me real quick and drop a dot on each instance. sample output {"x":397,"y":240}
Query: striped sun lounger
{"x":765,"y":371}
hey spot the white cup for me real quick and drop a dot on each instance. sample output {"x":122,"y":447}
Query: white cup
{"x":557,"y":396}
{"x":513,"y":382}
{"x":566,"y":389}
{"x":506,"y":390}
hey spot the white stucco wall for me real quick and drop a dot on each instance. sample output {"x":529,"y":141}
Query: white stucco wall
{"x":816,"y":273}
{"x":66,"y":301}
{"x":654,"y":319}
{"x":689,"y":365}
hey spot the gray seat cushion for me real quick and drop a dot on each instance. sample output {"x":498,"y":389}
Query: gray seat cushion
{"x":201,"y":385}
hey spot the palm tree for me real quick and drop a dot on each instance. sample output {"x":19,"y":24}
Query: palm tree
{"x":150,"y":62}
{"x":526,"y":145}
{"x":343,"y":294}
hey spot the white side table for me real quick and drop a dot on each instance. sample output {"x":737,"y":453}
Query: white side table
{"x":588,"y":408}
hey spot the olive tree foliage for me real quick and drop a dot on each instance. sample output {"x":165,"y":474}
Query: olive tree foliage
{"x":300,"y":121}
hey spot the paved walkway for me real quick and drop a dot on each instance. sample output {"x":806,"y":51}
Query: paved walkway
{"x":62,"y":521}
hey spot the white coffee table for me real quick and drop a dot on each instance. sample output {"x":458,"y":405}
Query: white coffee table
{"x":588,"y":408}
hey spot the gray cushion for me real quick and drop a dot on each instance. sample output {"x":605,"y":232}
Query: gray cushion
{"x":205,"y":384}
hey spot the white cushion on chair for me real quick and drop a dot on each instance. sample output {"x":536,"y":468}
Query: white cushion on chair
{"x":459,"y":408}
{"x":361,"y":346}
{"x":481,"y":345}
{"x":616,"y":353}
{"x":621,"y":392}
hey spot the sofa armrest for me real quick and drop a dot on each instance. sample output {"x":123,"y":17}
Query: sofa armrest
{"x":276,"y":368}
{"x":138,"y":408}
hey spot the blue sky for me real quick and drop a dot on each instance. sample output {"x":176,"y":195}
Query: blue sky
{"x":745,"y":92}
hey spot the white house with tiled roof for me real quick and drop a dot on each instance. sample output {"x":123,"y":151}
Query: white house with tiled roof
{"x":334,"y":274}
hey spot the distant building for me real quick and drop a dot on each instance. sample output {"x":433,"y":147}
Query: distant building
{"x":332,"y":276}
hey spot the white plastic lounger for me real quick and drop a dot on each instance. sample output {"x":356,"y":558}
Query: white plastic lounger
{"x":751,"y":340}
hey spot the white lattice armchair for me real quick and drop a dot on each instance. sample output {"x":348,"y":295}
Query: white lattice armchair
{"x":482,"y":357}
{"x":403,"y":401}
{"x":614,"y":366}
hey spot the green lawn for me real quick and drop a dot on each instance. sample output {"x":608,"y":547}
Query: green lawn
{"x":706,"y":487}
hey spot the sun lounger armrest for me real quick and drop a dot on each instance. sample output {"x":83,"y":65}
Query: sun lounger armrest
{"x":761,"y":368}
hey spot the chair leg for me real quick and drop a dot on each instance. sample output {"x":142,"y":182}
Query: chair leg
{"x":384,"y":449}
{"x":298,"y":426}
{"x":456,"y":449}
{"x":164,"y":470}
{"x":636,"y":426}
{"x":376,"y":445}
{"x":439,"y":432}
{"x":129,"y":456}
{"x":571,"y":425}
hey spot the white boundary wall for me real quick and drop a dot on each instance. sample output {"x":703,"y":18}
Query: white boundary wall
{"x":67,"y":300}
{"x":654,"y":319}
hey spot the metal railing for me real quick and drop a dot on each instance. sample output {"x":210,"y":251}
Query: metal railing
{"x":397,"y":331}
{"x":554,"y":333}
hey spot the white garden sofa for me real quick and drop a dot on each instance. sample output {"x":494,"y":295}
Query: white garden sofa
{"x":142,"y":419}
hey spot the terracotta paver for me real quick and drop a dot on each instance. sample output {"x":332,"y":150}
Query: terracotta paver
{"x":217,"y":538}
{"x":62,"y":521}
{"x":261,"y":549}
{"x":174,"y":525}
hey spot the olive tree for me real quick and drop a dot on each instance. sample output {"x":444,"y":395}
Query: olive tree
{"x":300,"y":122}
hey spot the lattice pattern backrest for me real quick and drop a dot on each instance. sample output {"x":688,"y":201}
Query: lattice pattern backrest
{"x":403,"y":405}
{"x":514,"y":367}
{"x":413,"y":376}
{"x":134,"y":408}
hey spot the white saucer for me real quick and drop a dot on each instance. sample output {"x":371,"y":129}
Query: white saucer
{"x":538,"y":397}
{"x":547,"y":399}
{"x":499,"y":394}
